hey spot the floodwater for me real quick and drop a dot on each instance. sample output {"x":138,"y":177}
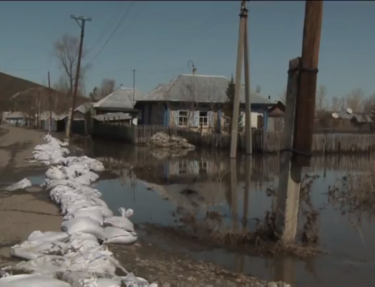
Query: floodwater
{"x":151,"y":183}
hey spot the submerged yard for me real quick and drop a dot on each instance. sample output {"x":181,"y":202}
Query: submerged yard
{"x":197,"y":204}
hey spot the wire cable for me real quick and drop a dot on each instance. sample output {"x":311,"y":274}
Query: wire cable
{"x":115,"y":30}
{"x":110,"y":21}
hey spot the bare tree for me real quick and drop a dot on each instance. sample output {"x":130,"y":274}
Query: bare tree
{"x":321,"y":95}
{"x":336,"y":104}
{"x":354,"y":100}
{"x":66,"y":51}
{"x":107,"y":87}
{"x":368,"y":104}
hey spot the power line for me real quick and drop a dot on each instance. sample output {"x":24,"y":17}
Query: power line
{"x":110,"y":21}
{"x":117,"y":27}
{"x":207,"y":23}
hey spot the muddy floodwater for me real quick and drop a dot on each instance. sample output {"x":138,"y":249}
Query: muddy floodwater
{"x":156,"y":184}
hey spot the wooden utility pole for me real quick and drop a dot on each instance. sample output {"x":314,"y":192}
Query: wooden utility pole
{"x":81,"y":22}
{"x":50,"y":104}
{"x":298,"y":124}
{"x":237,"y":92}
{"x":305,"y":106}
{"x":248,"y":130}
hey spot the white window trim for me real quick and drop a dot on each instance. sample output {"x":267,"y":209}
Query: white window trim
{"x":187,"y":118}
{"x":204,"y":125}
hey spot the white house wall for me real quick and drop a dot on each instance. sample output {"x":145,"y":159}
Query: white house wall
{"x":254,"y":119}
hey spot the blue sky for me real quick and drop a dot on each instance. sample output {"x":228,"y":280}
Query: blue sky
{"x":159,"y":38}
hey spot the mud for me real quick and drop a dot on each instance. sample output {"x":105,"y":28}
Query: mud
{"x":21,"y":212}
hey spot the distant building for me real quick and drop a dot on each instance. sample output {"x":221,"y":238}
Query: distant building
{"x":17,"y":118}
{"x":119,"y":101}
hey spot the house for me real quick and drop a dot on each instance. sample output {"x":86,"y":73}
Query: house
{"x":276,"y":115}
{"x":123,"y":118}
{"x":17,"y":118}
{"x":45,"y":118}
{"x":79,"y":115}
{"x":120,"y":101}
{"x":194,"y":101}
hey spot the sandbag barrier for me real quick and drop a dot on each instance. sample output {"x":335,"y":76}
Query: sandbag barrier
{"x":77,"y":256}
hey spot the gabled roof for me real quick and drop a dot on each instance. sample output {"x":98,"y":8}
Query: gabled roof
{"x":199,"y":88}
{"x":84,"y":108}
{"x":16,"y":115}
{"x":121,"y":99}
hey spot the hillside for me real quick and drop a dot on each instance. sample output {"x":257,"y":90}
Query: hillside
{"x":10,"y":85}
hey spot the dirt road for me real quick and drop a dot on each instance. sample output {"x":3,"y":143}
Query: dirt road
{"x":21,"y":212}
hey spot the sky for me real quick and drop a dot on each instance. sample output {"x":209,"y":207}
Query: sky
{"x":158,"y":39}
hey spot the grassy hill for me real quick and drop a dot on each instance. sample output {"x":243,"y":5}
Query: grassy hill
{"x":10,"y":85}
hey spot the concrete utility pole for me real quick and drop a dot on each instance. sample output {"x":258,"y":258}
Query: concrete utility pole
{"x":50,"y":104}
{"x":237,"y":94}
{"x":287,"y":203}
{"x":305,"y":106}
{"x":81,"y":22}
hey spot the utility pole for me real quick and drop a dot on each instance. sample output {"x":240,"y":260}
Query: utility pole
{"x":237,"y":93}
{"x":133,"y":88}
{"x":305,"y":105}
{"x":81,"y":22}
{"x":50,"y":104}
{"x":248,"y":130}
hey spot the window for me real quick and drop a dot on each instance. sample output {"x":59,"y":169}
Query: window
{"x":182,"y":167}
{"x":183,"y":118}
{"x":203,"y":119}
{"x":203,"y":167}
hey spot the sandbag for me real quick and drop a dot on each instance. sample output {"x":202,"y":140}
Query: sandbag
{"x":97,"y":166}
{"x":86,"y":205}
{"x":47,"y":264}
{"x":64,"y":182}
{"x":122,"y":221}
{"x":99,"y":282}
{"x":83,"y":179}
{"x":55,"y":173}
{"x":31,"y":280}
{"x":106,"y":212}
{"x":83,"y":225}
{"x":118,"y":235}
{"x":98,"y":261}
{"x":94,"y":214}
{"x":83,"y":242}
{"x":22,"y":184}
{"x":48,"y":236}
{"x":33,"y":249}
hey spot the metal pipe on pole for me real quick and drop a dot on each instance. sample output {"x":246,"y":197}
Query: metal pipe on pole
{"x":237,"y":94}
{"x":133,"y":88}
{"x":248,"y":129}
{"x":50,"y":104}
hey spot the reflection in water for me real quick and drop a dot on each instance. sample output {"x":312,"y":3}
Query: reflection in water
{"x":242,"y":190}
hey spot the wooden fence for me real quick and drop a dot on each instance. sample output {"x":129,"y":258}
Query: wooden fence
{"x":268,"y":142}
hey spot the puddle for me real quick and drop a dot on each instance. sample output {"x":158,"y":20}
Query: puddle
{"x":152,"y":186}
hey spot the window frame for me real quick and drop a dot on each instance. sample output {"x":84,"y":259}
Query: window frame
{"x":181,"y":117}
